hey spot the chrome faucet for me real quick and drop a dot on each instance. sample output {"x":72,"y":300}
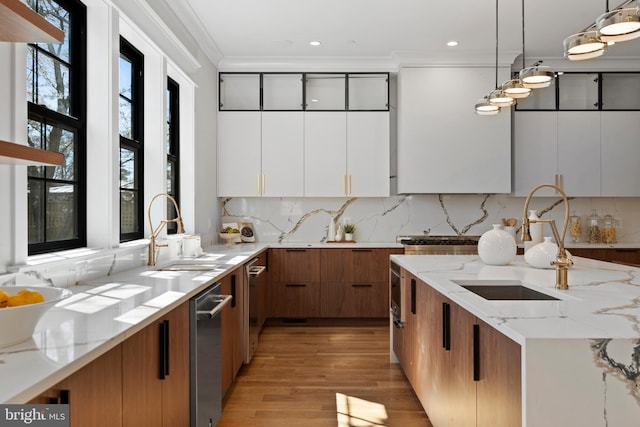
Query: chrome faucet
{"x":562,"y":262}
{"x":151,"y":260}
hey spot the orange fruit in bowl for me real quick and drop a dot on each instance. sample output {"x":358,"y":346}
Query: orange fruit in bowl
{"x":4,"y":299}
{"x":25,"y":297}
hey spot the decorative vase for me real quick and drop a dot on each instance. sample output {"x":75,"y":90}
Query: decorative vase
{"x":497,"y":247}
{"x":535,"y":231}
{"x":542,"y":254}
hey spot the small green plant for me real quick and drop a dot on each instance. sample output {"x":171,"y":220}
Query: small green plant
{"x":349,"y":228}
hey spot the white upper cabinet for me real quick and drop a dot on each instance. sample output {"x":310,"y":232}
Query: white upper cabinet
{"x":303,"y":140}
{"x":239,"y":158}
{"x":443,"y":146}
{"x":561,"y":148}
{"x":282,"y":154}
{"x":368,"y":154}
{"x":620,"y":151}
{"x":325,"y":154}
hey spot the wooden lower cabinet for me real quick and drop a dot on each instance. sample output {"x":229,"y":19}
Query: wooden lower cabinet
{"x":294,"y":299}
{"x":147,"y":398}
{"x":232,"y":328}
{"x":464,"y":372}
{"x":629,"y":256}
{"x":354,"y":299}
{"x":94,"y":393}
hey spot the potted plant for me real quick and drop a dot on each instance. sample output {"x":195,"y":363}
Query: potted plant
{"x":348,"y":229}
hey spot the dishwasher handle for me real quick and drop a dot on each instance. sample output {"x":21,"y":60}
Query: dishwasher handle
{"x":255,"y":270}
{"x":221,"y":301}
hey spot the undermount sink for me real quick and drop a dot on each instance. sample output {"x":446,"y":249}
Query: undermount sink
{"x":504,"y":290}
{"x":189,"y":266}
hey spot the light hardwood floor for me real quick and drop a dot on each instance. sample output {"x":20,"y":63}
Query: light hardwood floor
{"x":317,"y":376}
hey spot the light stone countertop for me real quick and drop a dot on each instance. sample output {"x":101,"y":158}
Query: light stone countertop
{"x":102,"y":314}
{"x":580,"y":358}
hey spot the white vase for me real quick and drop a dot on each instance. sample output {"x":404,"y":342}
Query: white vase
{"x":348,"y":237}
{"x":542,"y":254}
{"x":496,"y":246}
{"x":535,"y":231}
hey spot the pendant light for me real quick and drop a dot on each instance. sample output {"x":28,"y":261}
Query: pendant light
{"x":619,"y":25}
{"x":514,"y":87}
{"x":497,"y":98}
{"x":584,"y":45}
{"x":537,"y":76}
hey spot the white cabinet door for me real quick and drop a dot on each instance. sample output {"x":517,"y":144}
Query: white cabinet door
{"x":368,"y":154}
{"x":620,"y":151}
{"x":535,"y":151}
{"x":283,"y":154}
{"x":239,"y":160}
{"x":579,"y":153}
{"x":443,"y":146}
{"x":325,"y":154}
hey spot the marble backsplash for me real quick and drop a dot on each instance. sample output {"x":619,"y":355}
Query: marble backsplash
{"x":292,"y":220}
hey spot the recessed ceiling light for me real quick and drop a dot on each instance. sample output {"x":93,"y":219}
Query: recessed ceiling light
{"x":315,"y":43}
{"x":452,"y":43}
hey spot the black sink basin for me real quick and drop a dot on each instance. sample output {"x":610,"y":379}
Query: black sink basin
{"x":505,"y":290}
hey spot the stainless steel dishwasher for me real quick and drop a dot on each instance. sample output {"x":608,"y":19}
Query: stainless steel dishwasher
{"x":204,"y":339}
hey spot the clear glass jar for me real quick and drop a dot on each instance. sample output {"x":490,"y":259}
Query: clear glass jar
{"x":595,"y":227}
{"x":575,"y":227}
{"x":608,"y":229}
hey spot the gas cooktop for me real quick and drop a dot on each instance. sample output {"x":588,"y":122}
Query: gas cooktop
{"x":439,"y":240}
{"x":440,"y":245}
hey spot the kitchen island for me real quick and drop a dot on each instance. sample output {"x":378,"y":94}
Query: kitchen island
{"x":579,"y":354}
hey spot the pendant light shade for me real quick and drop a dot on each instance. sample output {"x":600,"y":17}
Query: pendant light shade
{"x":619,"y":25}
{"x":585,"y":45}
{"x":515,"y":89}
{"x":500,"y":99}
{"x":537,"y":76}
{"x":484,"y":108}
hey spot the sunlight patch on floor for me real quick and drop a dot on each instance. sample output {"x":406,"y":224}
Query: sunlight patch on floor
{"x":355,"y":412}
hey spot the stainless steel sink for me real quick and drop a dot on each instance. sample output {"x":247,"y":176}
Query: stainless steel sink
{"x":189,"y":266}
{"x":504,"y":290}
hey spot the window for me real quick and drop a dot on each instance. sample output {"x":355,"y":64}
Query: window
{"x":56,"y":95}
{"x":131,"y":142}
{"x":173,"y":151}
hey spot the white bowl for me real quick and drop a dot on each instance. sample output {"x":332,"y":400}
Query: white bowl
{"x":18,"y":323}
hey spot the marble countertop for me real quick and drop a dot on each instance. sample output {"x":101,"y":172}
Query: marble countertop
{"x":603,"y":300}
{"x":102,"y":314}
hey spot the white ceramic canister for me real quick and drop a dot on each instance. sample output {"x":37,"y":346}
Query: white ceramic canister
{"x":535,"y":230}
{"x":496,"y":246}
{"x":191,"y":246}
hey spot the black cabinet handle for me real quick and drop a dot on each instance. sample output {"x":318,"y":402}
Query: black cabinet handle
{"x":65,"y":397}
{"x":413,"y":296}
{"x":295,"y":250}
{"x":361,"y":285}
{"x":361,"y":250}
{"x":164,"y":349}
{"x":446,"y":326}
{"x":295,"y":285}
{"x":233,"y":290}
{"x":476,"y":352}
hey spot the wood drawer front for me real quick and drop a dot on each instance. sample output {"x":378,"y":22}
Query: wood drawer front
{"x":630,"y":256}
{"x":355,"y":265}
{"x":294,"y":299}
{"x":294,"y":265}
{"x":358,"y":300}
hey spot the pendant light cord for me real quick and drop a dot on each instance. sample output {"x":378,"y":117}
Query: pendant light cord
{"x":523,"y":59}
{"x":497,"y":44}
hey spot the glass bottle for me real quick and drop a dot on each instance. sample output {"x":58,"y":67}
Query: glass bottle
{"x":608,"y":229}
{"x":595,"y":234}
{"x":575,"y":227}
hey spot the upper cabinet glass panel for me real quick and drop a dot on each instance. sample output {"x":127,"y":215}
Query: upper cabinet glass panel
{"x":282,"y":91}
{"x":578,"y":91}
{"x":621,"y":91}
{"x":325,"y":92}
{"x":240,"y":91}
{"x":368,"y":92}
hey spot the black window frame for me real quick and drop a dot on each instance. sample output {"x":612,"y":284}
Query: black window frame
{"x":136,"y":145}
{"x":173,"y":148}
{"x":74,"y":122}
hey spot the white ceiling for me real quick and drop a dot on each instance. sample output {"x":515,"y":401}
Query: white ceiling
{"x":387,"y":31}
